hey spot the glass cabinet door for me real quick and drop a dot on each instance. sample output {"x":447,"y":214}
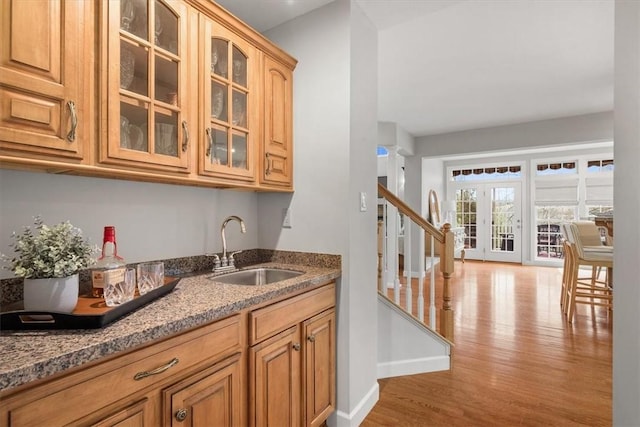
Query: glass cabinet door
{"x":147,"y":53}
{"x":229,"y":104}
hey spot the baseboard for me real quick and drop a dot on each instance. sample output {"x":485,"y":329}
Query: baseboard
{"x":359,"y":412}
{"x":399,"y":368}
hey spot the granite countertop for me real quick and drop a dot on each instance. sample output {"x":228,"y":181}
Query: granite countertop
{"x":196,"y":300}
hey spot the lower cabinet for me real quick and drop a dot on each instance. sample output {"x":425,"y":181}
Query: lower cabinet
{"x":275,"y":380}
{"x":292,"y":360}
{"x":127,"y":390}
{"x":199,"y":378}
{"x":210,"y":398}
{"x":319,"y":367}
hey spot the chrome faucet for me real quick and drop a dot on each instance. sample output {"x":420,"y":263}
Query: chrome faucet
{"x":228,"y":263}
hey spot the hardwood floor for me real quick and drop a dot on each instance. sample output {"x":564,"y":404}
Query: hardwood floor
{"x":516,"y":361}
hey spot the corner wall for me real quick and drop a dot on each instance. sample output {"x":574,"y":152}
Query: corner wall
{"x":335,"y":122}
{"x":626,"y":316}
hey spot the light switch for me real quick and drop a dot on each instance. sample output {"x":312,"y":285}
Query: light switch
{"x":286,"y":217}
{"x":363,"y":201}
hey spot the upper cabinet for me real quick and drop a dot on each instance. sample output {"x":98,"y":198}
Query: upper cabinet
{"x":172,"y":91}
{"x":144,"y":84}
{"x":43,"y":111}
{"x":229,"y":104}
{"x":277,"y":145}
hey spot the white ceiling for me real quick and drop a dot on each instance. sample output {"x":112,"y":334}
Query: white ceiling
{"x":463,"y":64}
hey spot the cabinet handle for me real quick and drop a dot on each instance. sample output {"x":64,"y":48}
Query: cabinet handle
{"x":71,"y":136}
{"x":311,"y":338}
{"x":161,"y":369}
{"x":268,"y":170}
{"x":210,"y":139}
{"x":181,"y":414}
{"x":185,"y":137}
{"x":296,"y":346}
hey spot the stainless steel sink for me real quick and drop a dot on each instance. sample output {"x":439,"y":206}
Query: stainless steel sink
{"x":256,"y":276}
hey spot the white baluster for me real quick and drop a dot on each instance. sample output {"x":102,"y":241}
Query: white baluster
{"x":407,"y":264}
{"x":421,"y":276}
{"x":432,"y":287}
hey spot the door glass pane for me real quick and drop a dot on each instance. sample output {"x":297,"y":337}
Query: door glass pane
{"x":502,"y":219}
{"x":219,"y":155}
{"x":218,"y":101}
{"x":134,"y":17}
{"x":466,"y":205}
{"x":127,"y":15}
{"x":165,"y":28}
{"x":133,"y":127}
{"x":239,"y":67}
{"x":239,"y":113}
{"x":166,"y":134}
{"x":134,"y":72}
{"x":239,"y":151}
{"x":166,"y":79}
{"x":219,"y":57}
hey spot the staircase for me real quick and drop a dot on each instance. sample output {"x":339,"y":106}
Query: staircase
{"x":407,"y":342}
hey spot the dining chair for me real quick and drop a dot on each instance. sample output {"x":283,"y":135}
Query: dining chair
{"x":591,"y":239}
{"x":585,"y":290}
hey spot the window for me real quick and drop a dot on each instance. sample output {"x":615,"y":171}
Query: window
{"x":548,"y":235}
{"x":566,"y":168}
{"x":567,"y":190}
{"x":466,"y":212}
{"x":478,"y":174}
{"x":597,"y":166}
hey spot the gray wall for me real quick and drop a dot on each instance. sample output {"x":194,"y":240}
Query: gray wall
{"x":595,"y":127}
{"x":153,"y":221}
{"x":626,"y":316}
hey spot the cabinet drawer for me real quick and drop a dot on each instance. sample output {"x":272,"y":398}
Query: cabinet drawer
{"x":267,"y":321}
{"x":87,"y":391}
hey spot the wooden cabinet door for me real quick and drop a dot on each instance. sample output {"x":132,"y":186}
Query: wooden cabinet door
{"x":210,"y":398}
{"x":277,"y":155}
{"x":42,"y":107}
{"x":145,"y":120}
{"x":229,"y":104}
{"x":274,"y":385}
{"x":319,"y":367}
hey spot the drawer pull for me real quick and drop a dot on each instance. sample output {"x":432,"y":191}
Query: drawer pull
{"x":296,"y":346}
{"x":311,"y":338}
{"x":71,"y":136}
{"x":181,"y":414}
{"x":161,"y":369}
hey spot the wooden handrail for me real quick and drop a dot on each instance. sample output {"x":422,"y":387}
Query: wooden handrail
{"x":446,"y":239}
{"x":406,"y":210}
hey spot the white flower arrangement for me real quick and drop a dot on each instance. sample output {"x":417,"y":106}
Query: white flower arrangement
{"x":51,"y":252}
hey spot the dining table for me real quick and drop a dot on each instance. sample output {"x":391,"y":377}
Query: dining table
{"x":607,"y":222}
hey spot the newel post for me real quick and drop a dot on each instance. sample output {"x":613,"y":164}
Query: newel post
{"x":446,"y":267}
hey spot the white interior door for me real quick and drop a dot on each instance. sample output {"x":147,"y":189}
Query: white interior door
{"x":492,"y":216}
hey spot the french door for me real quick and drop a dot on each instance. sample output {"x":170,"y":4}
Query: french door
{"x":491,"y":214}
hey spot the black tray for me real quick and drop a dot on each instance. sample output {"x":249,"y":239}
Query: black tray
{"x":90,"y":313}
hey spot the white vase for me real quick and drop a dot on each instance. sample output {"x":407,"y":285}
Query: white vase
{"x":51,"y":295}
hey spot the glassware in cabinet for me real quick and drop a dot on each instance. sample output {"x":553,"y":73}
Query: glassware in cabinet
{"x":230,"y":66}
{"x":146,"y":118}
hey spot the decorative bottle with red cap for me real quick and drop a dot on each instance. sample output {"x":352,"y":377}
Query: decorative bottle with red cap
{"x":109,"y":268}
